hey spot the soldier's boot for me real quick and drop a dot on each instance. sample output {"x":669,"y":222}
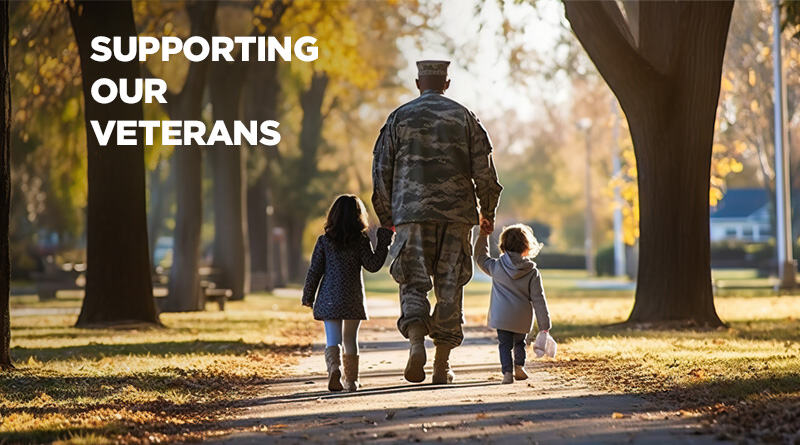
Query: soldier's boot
{"x":415,"y":368}
{"x":351,"y":372}
{"x":442,"y":374}
{"x":333,"y":359}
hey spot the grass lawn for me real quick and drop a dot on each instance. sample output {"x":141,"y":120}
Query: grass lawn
{"x":744,"y":380}
{"x":145,"y":384}
{"x":176,"y":383}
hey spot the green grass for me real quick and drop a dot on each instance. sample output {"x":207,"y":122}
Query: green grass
{"x":98,"y":385}
{"x":171,"y":383}
{"x":744,"y":380}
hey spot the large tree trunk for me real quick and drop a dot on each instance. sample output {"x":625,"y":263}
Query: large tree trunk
{"x":261,"y":103}
{"x":310,"y":138}
{"x":231,"y":256}
{"x":5,"y":191}
{"x":664,"y":66}
{"x":184,"y":281}
{"x":118,"y":283}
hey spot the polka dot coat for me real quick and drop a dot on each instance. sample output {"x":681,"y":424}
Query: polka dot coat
{"x":336,"y":271}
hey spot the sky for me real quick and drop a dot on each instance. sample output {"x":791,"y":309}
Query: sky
{"x":485,"y":83}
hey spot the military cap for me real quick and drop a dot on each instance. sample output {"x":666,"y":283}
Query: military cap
{"x":432,"y":67}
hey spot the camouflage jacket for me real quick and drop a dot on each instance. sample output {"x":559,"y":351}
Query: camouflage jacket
{"x":432,"y":159}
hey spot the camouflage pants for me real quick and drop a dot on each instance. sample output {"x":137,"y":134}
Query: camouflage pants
{"x":442,"y":251}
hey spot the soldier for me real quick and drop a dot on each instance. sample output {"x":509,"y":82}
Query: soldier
{"x":433,"y":158}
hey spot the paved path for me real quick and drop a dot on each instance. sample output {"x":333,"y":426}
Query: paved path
{"x":477,"y":409}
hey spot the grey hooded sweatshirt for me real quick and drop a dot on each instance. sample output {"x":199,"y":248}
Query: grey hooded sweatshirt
{"x":517,"y":290}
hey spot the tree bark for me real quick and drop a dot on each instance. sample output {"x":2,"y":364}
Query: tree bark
{"x":160,"y":199}
{"x":5,"y":192}
{"x":118,"y":284}
{"x":261,"y":103}
{"x":310,"y":138}
{"x":666,"y":75}
{"x":231,"y":256}
{"x":184,"y":281}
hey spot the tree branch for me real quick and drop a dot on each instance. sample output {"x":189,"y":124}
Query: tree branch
{"x":601,"y":29}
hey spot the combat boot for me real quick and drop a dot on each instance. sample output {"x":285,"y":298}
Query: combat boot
{"x":333,"y":359}
{"x":415,"y":368}
{"x":351,"y":372}
{"x":442,"y":374}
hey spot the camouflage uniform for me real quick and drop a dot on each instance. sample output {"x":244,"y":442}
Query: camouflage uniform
{"x":432,"y":159}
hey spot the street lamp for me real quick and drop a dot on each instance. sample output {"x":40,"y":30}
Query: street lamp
{"x":783,"y":233}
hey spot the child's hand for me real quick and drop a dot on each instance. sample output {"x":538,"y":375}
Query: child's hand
{"x":308,"y":303}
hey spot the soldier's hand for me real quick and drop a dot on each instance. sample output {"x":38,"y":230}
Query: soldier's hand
{"x":487,"y":225}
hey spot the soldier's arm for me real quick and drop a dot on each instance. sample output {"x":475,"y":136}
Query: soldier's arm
{"x":487,"y":187}
{"x":383,"y":174}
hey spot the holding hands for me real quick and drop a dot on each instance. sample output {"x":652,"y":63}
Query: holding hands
{"x":487,"y":225}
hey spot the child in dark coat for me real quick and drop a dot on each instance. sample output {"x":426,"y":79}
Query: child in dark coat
{"x":340,"y":303}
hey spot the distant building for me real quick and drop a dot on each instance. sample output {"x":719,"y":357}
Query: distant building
{"x":742,"y":215}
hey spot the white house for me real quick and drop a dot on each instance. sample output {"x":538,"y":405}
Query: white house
{"x":742,"y":215}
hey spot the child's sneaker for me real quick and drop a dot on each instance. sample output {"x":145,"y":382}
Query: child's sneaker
{"x":519,"y":372}
{"x":508,"y":378}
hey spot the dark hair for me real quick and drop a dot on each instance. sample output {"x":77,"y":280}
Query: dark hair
{"x":519,"y":238}
{"x":347,"y":220}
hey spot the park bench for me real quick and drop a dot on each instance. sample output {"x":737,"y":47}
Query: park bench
{"x":208,"y":286}
{"x":208,"y":279}
{"x":54,"y":279}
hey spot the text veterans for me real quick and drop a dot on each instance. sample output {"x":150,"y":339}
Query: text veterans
{"x":267,"y":49}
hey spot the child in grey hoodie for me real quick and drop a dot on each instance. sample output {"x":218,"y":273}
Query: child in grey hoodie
{"x":517,"y":294}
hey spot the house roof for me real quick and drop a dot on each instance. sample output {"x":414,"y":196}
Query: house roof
{"x":740,"y":203}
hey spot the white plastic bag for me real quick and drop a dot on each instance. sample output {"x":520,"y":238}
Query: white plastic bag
{"x":544,"y":344}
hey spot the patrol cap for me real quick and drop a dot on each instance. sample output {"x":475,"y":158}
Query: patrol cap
{"x":432,"y":68}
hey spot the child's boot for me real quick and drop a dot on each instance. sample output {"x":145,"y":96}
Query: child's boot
{"x":442,"y":374}
{"x":508,"y":378}
{"x":520,"y":373}
{"x":415,"y":368}
{"x":351,"y":372}
{"x":333,"y":358}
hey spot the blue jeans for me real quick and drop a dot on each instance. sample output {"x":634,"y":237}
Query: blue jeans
{"x":508,"y":341}
{"x":344,"y":333}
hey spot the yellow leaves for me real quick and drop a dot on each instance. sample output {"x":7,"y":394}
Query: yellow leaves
{"x":714,"y":196}
{"x":13,"y":41}
{"x":754,"y":106}
{"x":36,"y":90}
{"x":726,"y":84}
{"x":751,"y":78}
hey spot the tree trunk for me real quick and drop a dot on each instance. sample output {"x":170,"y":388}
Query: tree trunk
{"x":184,"y":280}
{"x":118,"y":283}
{"x":310,"y":137}
{"x":261,"y":103}
{"x":257,"y":230}
{"x":231,"y":256}
{"x":159,"y":205}
{"x":5,"y":192}
{"x":294,"y":240}
{"x":665,"y":69}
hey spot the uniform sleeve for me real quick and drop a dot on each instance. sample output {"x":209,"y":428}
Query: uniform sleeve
{"x":540,"y":303}
{"x":315,"y":272}
{"x":383,"y":173}
{"x":487,"y":186}
{"x":482,"y":258}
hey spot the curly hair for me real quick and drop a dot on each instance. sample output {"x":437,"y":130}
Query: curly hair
{"x":519,"y":238}
{"x":347,"y":220}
